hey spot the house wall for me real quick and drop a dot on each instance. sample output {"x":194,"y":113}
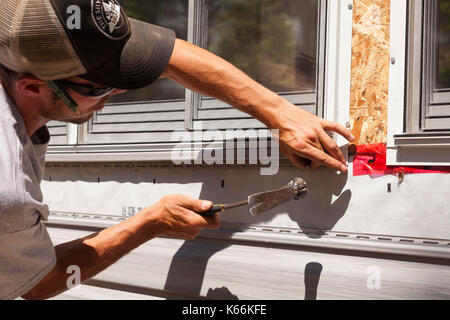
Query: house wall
{"x":349,"y":239}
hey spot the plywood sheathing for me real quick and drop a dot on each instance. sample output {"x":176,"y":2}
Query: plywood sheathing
{"x":370,"y":71}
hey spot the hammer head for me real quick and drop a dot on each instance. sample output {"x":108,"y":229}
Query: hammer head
{"x":299,"y":188}
{"x":264,"y":201}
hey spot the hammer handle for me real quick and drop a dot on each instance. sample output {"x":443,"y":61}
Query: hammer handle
{"x":216,"y":208}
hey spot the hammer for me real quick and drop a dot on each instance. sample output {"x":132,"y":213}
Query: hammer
{"x":264,"y":201}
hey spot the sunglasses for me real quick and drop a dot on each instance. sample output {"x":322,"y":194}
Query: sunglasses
{"x":86,"y":91}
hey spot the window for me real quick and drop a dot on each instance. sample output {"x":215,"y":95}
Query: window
{"x":432,"y":108}
{"x":151,"y":114}
{"x":436,"y":73}
{"x":277,"y":43}
{"x":146,"y":115}
{"x":171,"y":14}
{"x":281,"y":44}
{"x":420,"y":82}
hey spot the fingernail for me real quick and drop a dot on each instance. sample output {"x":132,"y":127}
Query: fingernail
{"x":206,"y":205}
{"x":352,"y":137}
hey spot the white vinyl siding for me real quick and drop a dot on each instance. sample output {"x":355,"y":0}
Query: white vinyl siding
{"x":58,"y":132}
{"x":134,"y":123}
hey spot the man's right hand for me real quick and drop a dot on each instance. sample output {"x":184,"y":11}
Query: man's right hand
{"x":178,"y":215}
{"x":174,"y":215}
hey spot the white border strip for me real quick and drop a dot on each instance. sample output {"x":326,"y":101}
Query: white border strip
{"x":72,"y":134}
{"x":396,"y":97}
{"x":338,"y":63}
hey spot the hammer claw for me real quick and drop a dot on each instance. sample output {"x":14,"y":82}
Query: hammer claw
{"x":265,"y":201}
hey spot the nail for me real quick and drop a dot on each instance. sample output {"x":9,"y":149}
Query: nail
{"x":206,"y":205}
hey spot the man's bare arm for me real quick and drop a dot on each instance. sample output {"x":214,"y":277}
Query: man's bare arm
{"x":173,"y":215}
{"x":303,"y":135}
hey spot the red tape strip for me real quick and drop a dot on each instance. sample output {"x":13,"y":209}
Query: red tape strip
{"x":370,"y":160}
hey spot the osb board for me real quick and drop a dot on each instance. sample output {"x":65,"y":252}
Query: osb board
{"x":370,"y":71}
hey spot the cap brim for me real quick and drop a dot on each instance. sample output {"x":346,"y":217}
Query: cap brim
{"x":141,"y":61}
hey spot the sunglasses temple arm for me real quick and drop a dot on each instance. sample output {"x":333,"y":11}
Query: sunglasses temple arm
{"x":63,"y":95}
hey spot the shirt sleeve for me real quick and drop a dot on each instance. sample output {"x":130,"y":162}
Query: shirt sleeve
{"x":26,"y":257}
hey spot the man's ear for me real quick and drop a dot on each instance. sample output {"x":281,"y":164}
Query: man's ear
{"x":30,"y":86}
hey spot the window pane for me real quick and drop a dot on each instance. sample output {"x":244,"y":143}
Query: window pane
{"x":172,"y":14}
{"x":435,"y":112}
{"x":443,"y":39}
{"x":274,"y":42}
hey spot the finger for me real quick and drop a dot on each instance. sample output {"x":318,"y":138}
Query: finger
{"x":321,"y":157}
{"x":213,"y":222}
{"x":336,"y":127}
{"x":193,"y":204}
{"x":315,"y":164}
{"x":298,"y":161}
{"x":200,"y":221}
{"x":331,"y":146}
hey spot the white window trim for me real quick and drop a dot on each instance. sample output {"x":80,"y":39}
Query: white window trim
{"x":338,"y":64}
{"x":336,"y":100}
{"x":72,"y":134}
{"x":427,"y":149}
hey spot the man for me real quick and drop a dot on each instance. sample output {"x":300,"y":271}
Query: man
{"x":51,"y":71}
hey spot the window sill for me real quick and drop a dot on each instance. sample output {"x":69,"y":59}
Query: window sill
{"x":428,"y":149}
{"x":171,"y":152}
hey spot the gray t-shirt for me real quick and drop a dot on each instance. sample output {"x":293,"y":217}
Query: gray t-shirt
{"x":26,"y":250}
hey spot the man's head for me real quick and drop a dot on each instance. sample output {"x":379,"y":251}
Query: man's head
{"x":6,"y":75}
{"x":87,"y":42}
{"x":92,"y":39}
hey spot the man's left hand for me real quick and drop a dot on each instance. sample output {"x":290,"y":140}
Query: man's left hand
{"x":305,"y":142}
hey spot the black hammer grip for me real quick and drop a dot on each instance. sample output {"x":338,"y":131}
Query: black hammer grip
{"x":216,"y":208}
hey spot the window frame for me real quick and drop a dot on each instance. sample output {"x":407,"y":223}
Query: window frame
{"x":408,"y":142}
{"x":199,"y":37}
{"x":332,"y":99}
{"x":435,"y":102}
